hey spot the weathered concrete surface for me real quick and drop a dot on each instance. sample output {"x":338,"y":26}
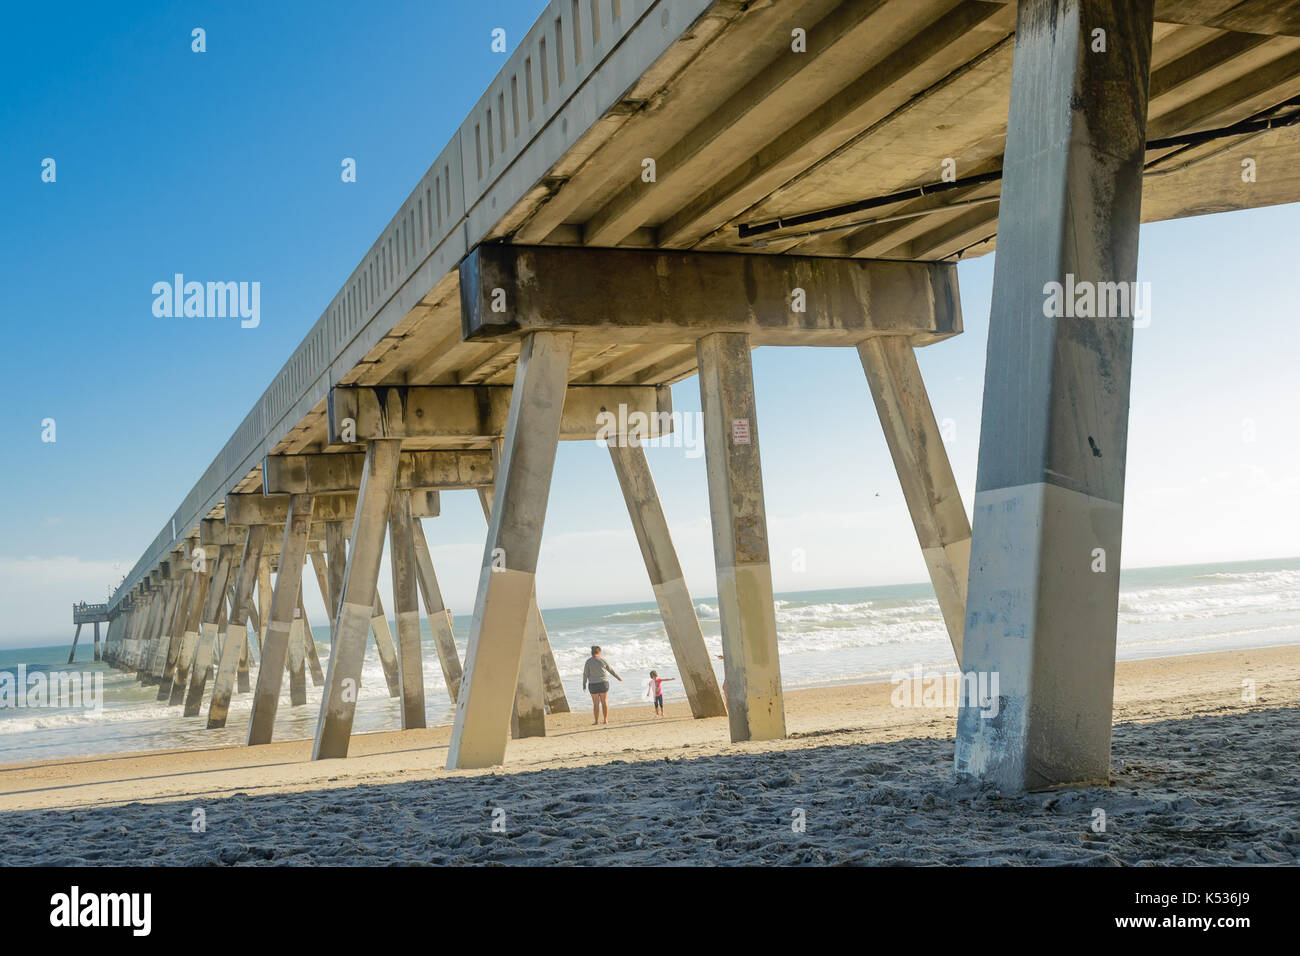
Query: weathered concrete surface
{"x":745,"y":602}
{"x":235,"y":650}
{"x":322,"y":474}
{"x":213,"y":613}
{"x":358,"y":599}
{"x":1045,"y":557}
{"x":506,"y":580}
{"x":637,"y":296}
{"x":406,"y":607}
{"x":284,"y":602}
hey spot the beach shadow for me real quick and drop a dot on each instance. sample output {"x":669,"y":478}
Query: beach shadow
{"x":1204,"y":790}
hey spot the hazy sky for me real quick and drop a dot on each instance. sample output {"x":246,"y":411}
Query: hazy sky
{"x":225,"y":165}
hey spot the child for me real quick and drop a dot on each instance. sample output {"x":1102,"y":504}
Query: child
{"x":656,"y":690}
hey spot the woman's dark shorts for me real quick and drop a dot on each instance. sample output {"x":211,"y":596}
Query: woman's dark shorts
{"x":598,"y":687}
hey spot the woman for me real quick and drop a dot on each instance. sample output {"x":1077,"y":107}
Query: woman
{"x":593,"y":680}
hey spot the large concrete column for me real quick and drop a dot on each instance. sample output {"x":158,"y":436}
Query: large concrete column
{"x":284,"y":601}
{"x":236,"y":647}
{"x":921,"y":461}
{"x":190,"y":638}
{"x":506,"y":579}
{"x":152,"y":626}
{"x":1045,"y":555}
{"x":439,"y":617}
{"x":211,"y":624}
{"x":358,"y":599}
{"x":554,"y":698}
{"x":528,"y":716}
{"x":675,"y":605}
{"x":152,"y":669}
{"x":75,"y":637}
{"x":97,"y":657}
{"x":745,"y":603}
{"x":264,"y":595}
{"x":406,"y":600}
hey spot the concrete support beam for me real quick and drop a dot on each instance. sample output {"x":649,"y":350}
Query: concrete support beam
{"x":440,"y":623}
{"x":189,"y":584}
{"x":235,"y":650}
{"x":358,"y":600}
{"x":675,"y":604}
{"x":213,"y":612}
{"x":190,"y":637}
{"x":1045,"y":552}
{"x":506,"y":579}
{"x":406,"y":600}
{"x":553,"y":694}
{"x":642,"y":296}
{"x":417,"y":470}
{"x":387,"y":649}
{"x":97,"y":655}
{"x":528,"y":716}
{"x":297,"y":642}
{"x":745,"y":604}
{"x":921,"y":461}
{"x":336,"y":550}
{"x":309,"y":645}
{"x":75,"y":637}
{"x":284,"y":601}
{"x":479,"y":413}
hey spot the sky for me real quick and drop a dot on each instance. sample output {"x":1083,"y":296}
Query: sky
{"x":226,"y":165}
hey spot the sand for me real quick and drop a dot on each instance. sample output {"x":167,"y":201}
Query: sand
{"x":1199,"y":775}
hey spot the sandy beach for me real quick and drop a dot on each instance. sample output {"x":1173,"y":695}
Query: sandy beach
{"x":1198,"y":775}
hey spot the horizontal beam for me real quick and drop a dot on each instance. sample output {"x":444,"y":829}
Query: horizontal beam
{"x":416,"y":471}
{"x":478,"y":413}
{"x":249,"y":508}
{"x":628,"y":296}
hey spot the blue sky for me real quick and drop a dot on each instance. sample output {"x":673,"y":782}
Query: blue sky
{"x":226,"y":165}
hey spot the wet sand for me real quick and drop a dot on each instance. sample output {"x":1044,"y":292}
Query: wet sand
{"x":1199,"y":775}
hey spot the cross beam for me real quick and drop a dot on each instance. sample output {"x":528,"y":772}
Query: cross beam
{"x":627,"y":296}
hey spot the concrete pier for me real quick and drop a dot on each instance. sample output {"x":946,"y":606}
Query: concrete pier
{"x":507,"y":575}
{"x":358,"y":599}
{"x":234,"y":652}
{"x":745,"y":603}
{"x":284,"y":602}
{"x":1050,"y":491}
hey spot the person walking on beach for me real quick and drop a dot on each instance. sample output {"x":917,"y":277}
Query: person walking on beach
{"x":657,"y":691}
{"x":593,"y":680}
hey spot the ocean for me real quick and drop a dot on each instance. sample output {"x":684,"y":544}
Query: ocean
{"x":841,"y":636}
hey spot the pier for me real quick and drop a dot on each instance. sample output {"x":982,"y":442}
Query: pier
{"x":649,"y":190}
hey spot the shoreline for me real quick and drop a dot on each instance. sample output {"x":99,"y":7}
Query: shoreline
{"x":1149,"y":689}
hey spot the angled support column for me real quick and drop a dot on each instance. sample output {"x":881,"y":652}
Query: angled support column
{"x":158,"y":654}
{"x":528,"y":717}
{"x":190,"y":639}
{"x":336,"y":552}
{"x":406,"y":600}
{"x":506,"y":579}
{"x":753,"y":668}
{"x":297,"y":638}
{"x":921,"y":461}
{"x":387,"y":649}
{"x":284,"y":601}
{"x":309,"y":644}
{"x":1045,"y":550}
{"x":189,"y":584}
{"x":264,"y":595}
{"x":554,"y":699}
{"x":358,"y":599}
{"x":235,"y":650}
{"x":675,"y":605}
{"x":75,"y":637}
{"x":439,"y":617}
{"x":213,"y":612}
